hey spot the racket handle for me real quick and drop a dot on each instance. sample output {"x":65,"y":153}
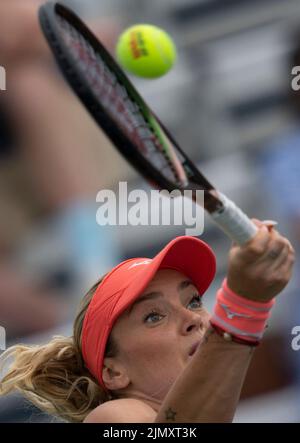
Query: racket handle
{"x":233,"y":221}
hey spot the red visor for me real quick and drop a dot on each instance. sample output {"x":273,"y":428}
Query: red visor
{"x":127,"y":281}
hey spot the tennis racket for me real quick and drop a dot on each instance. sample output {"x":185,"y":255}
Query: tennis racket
{"x":132,"y":126}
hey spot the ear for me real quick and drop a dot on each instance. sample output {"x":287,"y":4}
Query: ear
{"x":114,"y":374}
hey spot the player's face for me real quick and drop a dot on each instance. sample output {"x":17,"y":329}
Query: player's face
{"x":156,"y":334}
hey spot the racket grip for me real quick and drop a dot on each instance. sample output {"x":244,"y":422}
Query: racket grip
{"x":233,"y":221}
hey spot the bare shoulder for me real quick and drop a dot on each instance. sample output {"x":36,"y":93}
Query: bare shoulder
{"x":123,"y":410}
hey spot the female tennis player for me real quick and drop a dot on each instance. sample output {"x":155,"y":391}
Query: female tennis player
{"x":144,"y":349}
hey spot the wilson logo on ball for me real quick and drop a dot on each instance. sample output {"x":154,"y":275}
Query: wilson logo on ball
{"x":137,"y":45}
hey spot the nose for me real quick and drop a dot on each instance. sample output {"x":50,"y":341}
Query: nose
{"x":193,"y":322}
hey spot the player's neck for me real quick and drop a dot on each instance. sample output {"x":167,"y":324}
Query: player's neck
{"x":152,"y":402}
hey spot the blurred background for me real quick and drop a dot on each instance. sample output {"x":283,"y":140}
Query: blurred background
{"x":229,"y":103}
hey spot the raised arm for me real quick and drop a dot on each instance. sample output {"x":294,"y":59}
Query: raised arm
{"x":209,"y":388}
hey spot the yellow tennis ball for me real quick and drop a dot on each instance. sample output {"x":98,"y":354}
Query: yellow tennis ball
{"x":146,"y":51}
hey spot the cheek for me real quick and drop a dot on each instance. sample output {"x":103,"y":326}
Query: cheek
{"x":205,"y":318}
{"x":150,"y":347}
{"x":154,"y":363}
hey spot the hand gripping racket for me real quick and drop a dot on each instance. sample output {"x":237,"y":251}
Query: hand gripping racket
{"x":121,"y":112}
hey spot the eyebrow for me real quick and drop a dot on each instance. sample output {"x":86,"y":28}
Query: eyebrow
{"x":184,"y":284}
{"x":148,"y":296}
{"x":157,"y":294}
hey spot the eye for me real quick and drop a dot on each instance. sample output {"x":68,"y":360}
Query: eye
{"x":152,"y":315}
{"x":197,"y":301}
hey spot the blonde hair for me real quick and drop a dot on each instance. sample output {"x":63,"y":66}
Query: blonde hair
{"x":53,"y":376}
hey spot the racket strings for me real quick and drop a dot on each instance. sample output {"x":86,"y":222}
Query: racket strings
{"x":115,"y":99}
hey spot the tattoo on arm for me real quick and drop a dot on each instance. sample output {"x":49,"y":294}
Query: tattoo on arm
{"x":170,"y":414}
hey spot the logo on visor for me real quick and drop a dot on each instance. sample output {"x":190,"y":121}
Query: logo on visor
{"x":145,"y":262}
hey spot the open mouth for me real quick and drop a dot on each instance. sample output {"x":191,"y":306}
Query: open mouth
{"x":194,"y":348}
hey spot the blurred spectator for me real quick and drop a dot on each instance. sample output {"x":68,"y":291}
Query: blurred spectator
{"x":53,"y":161}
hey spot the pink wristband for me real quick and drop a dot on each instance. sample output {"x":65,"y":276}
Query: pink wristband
{"x":240,"y":317}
